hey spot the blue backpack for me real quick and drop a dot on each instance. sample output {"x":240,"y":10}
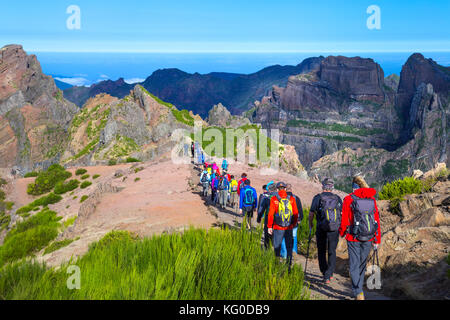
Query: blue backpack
{"x":248,"y":197}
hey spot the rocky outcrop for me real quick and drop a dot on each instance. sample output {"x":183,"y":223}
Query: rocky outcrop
{"x":34,"y":116}
{"x":220,"y":116}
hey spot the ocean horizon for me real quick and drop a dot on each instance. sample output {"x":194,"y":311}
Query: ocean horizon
{"x":84,"y":69}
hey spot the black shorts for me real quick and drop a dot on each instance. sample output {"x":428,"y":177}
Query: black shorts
{"x":248,"y":211}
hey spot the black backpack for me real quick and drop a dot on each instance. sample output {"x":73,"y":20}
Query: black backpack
{"x":364,"y":225}
{"x":330,"y":210}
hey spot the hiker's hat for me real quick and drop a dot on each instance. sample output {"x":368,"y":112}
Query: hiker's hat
{"x":281,"y":185}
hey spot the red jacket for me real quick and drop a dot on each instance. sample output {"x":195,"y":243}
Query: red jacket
{"x":239,"y":185}
{"x":347,"y":214}
{"x":274,"y":208}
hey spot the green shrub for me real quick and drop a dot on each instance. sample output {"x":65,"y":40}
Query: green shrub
{"x":2,"y":195}
{"x":3,"y":182}
{"x":47,"y":180}
{"x":196,"y":265}
{"x":43,"y":201}
{"x":132,"y":160}
{"x":54,"y":246}
{"x":137,"y":179}
{"x":5,"y":219}
{"x":80,"y":172}
{"x":69,"y":222}
{"x":9,"y":205}
{"x":33,"y":174}
{"x":62,"y":188}
{"x":96,"y":176}
{"x":86,"y":184}
{"x":86,"y":176}
{"x":400,"y":188}
{"x":84,"y":198}
{"x":112,"y":162}
{"x":30,"y":236}
{"x":303,"y":232}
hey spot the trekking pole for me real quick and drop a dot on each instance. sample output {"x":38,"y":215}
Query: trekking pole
{"x":307,"y":251}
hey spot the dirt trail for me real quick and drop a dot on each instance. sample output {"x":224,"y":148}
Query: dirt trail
{"x":339,"y":288}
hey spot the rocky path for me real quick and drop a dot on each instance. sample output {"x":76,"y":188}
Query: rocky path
{"x":338,"y":289}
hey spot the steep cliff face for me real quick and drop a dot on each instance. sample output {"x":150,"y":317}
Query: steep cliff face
{"x":344,"y":103}
{"x":34,"y":116}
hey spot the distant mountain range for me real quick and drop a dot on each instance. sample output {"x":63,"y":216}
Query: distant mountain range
{"x":197,"y":92}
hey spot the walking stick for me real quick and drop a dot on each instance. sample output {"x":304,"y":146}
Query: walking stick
{"x":307,"y":251}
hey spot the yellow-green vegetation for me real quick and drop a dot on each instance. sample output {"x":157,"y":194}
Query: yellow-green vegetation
{"x":84,"y":198}
{"x":80,"y":172}
{"x":85,"y":184}
{"x":137,"y":179}
{"x":32,"y":174}
{"x":86,"y":176}
{"x":69,"y":221}
{"x":62,"y":188}
{"x":29,"y":236}
{"x":122,"y":147}
{"x":197,"y":264}
{"x":132,"y":160}
{"x":54,"y":246}
{"x":334,"y":127}
{"x":95,"y":176}
{"x":46,"y":180}
{"x":182,"y":116}
{"x":43,"y":201}
{"x":5,"y":220}
{"x":96,"y":119}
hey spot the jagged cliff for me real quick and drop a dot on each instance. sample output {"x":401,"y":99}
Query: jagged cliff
{"x":345,"y":118}
{"x":34,"y":116}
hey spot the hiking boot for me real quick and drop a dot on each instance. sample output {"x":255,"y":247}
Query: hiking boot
{"x":360,"y":296}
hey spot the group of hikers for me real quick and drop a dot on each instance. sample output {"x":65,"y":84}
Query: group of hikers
{"x":356,"y":218}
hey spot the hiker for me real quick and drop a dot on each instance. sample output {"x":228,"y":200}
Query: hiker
{"x":233,"y":192}
{"x":248,"y":201}
{"x":224,"y":165}
{"x":240,"y":183}
{"x":283,"y":216}
{"x":295,"y":230}
{"x":224,"y":186}
{"x":209,"y":169}
{"x":361,"y":227}
{"x":263,"y":211}
{"x":214,"y":187}
{"x":192,"y":149}
{"x":203,"y":158}
{"x":204,"y":180}
{"x":215,"y":168}
{"x":327,"y":207}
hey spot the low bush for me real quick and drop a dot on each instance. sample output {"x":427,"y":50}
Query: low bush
{"x":47,"y":180}
{"x":83,"y":198}
{"x":54,"y":246}
{"x":80,"y":172}
{"x":30,"y":236}
{"x":86,"y":176}
{"x":86,"y":184}
{"x":400,"y":188}
{"x":62,"y":188}
{"x":43,"y":201}
{"x":112,"y":162}
{"x":33,"y":174}
{"x":132,"y":160}
{"x":96,"y":176}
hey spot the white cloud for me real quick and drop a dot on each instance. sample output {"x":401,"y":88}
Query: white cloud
{"x":76,"y":81}
{"x":134,"y":80}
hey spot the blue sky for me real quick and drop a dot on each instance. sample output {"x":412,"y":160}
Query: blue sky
{"x":227,"y":26}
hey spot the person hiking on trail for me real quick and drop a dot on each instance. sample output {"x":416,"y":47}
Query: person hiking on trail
{"x":327,"y":207}
{"x":214,"y":187}
{"x":205,"y":180}
{"x":225,"y":165}
{"x":362,"y":229}
{"x":192,"y":149}
{"x":215,"y":167}
{"x":209,"y":169}
{"x":283,"y":216}
{"x":224,"y":187}
{"x":248,"y":201}
{"x":263,"y":211}
{"x":233,"y":192}
{"x":240,"y":183}
{"x":203,"y":158}
{"x":295,"y":230}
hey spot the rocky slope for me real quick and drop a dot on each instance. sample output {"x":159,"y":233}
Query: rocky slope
{"x":198,"y":92}
{"x":345,"y":118}
{"x":414,"y":245}
{"x":34,"y":116}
